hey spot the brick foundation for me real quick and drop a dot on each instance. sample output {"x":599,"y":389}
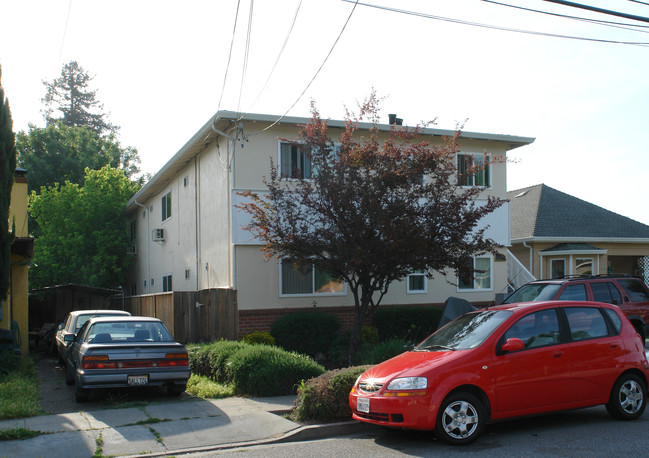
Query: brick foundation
{"x":263,"y":319}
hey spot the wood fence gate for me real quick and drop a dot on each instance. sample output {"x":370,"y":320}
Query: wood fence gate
{"x":191,"y":316}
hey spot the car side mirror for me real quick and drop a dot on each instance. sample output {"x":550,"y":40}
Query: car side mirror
{"x":513,"y":344}
{"x":68,"y":337}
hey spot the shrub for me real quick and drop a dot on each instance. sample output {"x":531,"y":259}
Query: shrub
{"x":259,"y":337}
{"x":326,"y":398}
{"x":210,"y":360}
{"x":413,"y":324}
{"x":306,"y":332}
{"x":386,"y":350}
{"x":261,"y":370}
{"x":370,"y":334}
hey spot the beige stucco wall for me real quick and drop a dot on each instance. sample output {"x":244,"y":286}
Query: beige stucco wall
{"x":205,"y":235}
{"x":258,"y":286}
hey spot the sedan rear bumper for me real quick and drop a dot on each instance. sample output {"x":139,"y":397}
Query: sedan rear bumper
{"x":118,"y":379}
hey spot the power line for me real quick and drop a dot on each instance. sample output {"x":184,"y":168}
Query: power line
{"x":619,"y":25}
{"x":600,"y":10}
{"x":279,"y":55}
{"x":317,"y":72}
{"x":246,"y":53}
{"x":494,"y":27}
{"x":227,"y":67}
{"x":65,"y":32}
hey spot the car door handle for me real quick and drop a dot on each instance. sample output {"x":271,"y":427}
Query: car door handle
{"x":557,"y":354}
{"x":614,"y":345}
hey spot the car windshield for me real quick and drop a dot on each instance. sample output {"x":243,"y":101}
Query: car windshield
{"x":533,"y":292}
{"x":465,"y":332}
{"x":131,"y":331}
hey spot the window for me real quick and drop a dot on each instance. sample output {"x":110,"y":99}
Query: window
{"x":132,"y":230}
{"x":166,"y":206}
{"x":584,"y":266}
{"x":536,"y":329}
{"x":586,"y":323}
{"x":574,"y":293}
{"x":166,"y":283}
{"x":558,"y":268}
{"x":635,"y":289}
{"x":187,"y":274}
{"x":473,"y":170}
{"x":417,"y":283}
{"x":294,"y":162}
{"x":475,"y":274}
{"x":185,"y":181}
{"x":309,"y":280}
{"x":606,"y":292}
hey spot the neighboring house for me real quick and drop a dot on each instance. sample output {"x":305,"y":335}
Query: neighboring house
{"x":554,"y":234}
{"x":14,"y":311}
{"x":188,"y":235}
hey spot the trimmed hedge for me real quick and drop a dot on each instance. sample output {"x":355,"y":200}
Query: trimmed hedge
{"x":259,"y":337}
{"x":413,"y":324}
{"x":306,"y":332}
{"x":326,"y":398}
{"x":261,"y":370}
{"x":386,"y":350}
{"x":211,"y":359}
{"x":253,"y":369}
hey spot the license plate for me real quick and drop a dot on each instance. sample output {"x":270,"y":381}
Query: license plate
{"x":138,"y":380}
{"x":363,"y":405}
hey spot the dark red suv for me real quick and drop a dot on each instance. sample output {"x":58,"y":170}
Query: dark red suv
{"x":627,"y":292}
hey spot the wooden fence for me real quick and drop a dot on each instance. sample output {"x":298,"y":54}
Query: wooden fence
{"x":191,"y":316}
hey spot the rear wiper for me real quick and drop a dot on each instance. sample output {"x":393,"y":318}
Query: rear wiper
{"x":430,"y":347}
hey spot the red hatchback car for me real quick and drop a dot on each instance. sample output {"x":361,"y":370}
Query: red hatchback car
{"x":509,"y":361}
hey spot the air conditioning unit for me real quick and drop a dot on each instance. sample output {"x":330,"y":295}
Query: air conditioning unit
{"x":132,"y":249}
{"x":158,"y":235}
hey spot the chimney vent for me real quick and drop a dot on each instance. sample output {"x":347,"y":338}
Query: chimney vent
{"x":392,"y":119}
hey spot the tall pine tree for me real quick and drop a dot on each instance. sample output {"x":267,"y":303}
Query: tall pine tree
{"x":75,"y":104}
{"x":7,"y":168}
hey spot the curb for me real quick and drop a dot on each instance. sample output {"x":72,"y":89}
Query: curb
{"x":300,"y":434}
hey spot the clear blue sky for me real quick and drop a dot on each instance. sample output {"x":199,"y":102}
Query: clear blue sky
{"x":159,"y":69}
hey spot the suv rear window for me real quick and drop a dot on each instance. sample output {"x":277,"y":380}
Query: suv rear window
{"x":574,"y":293}
{"x":606,"y":291}
{"x":637,"y":291}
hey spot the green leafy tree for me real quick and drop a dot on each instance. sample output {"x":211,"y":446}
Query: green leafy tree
{"x":60,"y":153}
{"x":75,"y":104}
{"x":83,"y":232}
{"x":365,"y":215}
{"x":7,"y":167}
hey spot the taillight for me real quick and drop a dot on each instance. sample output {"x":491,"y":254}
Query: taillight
{"x":174,"y":359}
{"x":97,"y":362}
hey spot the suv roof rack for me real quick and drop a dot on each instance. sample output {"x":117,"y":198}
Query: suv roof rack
{"x":588,"y":276}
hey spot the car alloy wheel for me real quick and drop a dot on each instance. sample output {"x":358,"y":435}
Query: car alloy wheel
{"x":461,"y":419}
{"x":628,"y":398}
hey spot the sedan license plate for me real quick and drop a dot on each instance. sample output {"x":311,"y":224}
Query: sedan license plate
{"x":138,"y":380}
{"x":363,"y":405}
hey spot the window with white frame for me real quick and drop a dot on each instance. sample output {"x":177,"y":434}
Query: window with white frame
{"x":475,"y":274}
{"x":307,"y":281}
{"x":584,"y":266}
{"x":417,"y":283}
{"x":558,"y":268}
{"x":166,"y":206}
{"x":473,"y":170}
{"x":293,"y":161}
{"x":166,"y":283}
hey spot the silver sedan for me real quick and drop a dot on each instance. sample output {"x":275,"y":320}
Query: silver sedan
{"x":115,"y":352}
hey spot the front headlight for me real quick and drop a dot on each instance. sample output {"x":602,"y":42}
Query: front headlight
{"x":409,"y":383}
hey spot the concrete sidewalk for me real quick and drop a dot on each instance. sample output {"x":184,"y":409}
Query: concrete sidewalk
{"x":163,"y":429}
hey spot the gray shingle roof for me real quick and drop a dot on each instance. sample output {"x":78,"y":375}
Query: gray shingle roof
{"x":541,"y":211}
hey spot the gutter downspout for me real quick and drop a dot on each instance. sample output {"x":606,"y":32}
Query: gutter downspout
{"x":148,"y":246}
{"x":230,"y":180}
{"x":532,"y":259}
